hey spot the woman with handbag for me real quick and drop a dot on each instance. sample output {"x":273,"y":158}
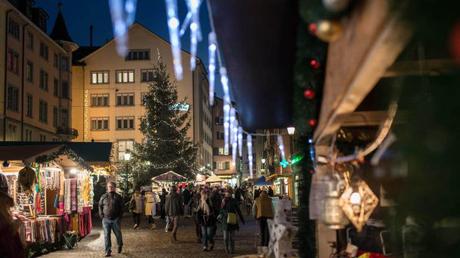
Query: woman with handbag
{"x":137,"y":207}
{"x":207,"y":220}
{"x":229,"y":213}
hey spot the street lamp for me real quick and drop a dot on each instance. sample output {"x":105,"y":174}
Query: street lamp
{"x":263,"y":161}
{"x":127,"y":156}
{"x":291,"y":130}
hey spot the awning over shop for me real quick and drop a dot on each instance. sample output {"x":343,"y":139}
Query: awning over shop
{"x":262,"y":181}
{"x":258,"y":41}
{"x":214,"y":179}
{"x":26,"y":152}
{"x":169,"y":176}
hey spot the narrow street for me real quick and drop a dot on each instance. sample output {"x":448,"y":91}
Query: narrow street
{"x":145,"y":242}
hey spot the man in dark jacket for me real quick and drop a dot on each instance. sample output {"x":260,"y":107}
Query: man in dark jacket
{"x":174,"y":209}
{"x":111,"y":211}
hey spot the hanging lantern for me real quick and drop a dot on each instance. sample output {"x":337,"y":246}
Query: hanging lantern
{"x":358,"y":203}
{"x":329,"y":31}
{"x":333,"y":216}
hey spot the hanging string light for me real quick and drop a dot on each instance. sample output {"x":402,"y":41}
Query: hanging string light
{"x":224,"y":81}
{"x":235,"y":140}
{"x":281,"y":147}
{"x":212,"y":48}
{"x":195,"y":29}
{"x":123,"y":14}
{"x":240,"y":141}
{"x":249,"y":145}
{"x":173,"y":26}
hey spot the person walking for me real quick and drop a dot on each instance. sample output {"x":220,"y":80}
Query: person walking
{"x":150,"y":207}
{"x":229,"y":213}
{"x":163,"y":195}
{"x":137,"y":207}
{"x":207,"y":220}
{"x":196,"y":196}
{"x":111,"y":211}
{"x":174,"y":210}
{"x":187,"y":196}
{"x":10,"y":242}
{"x":263,"y":211}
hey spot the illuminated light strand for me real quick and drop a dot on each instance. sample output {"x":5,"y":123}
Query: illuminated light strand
{"x":227,"y":104}
{"x":235,"y":140}
{"x":195,"y":30}
{"x":281,"y":146}
{"x":123,"y":16}
{"x":173,"y":26}
{"x":249,"y":145}
{"x":212,"y":48}
{"x":240,"y":140}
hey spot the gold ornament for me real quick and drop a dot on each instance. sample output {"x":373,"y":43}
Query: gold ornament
{"x":336,"y":5}
{"x":329,"y":31}
{"x":358,"y":204}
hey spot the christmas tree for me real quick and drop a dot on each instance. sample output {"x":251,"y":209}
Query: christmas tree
{"x":166,"y":144}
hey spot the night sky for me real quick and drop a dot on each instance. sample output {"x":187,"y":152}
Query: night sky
{"x":80,"y":14}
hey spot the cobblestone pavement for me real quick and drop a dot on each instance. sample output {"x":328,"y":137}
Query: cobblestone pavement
{"x":145,"y":242}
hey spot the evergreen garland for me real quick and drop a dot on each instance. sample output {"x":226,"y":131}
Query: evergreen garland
{"x":306,"y":110}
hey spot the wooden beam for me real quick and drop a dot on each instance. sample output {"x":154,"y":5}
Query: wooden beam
{"x":373,"y":38}
{"x":368,"y":118}
{"x":433,"y":67}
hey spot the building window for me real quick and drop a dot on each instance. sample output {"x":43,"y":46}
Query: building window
{"x":125,"y":123}
{"x":64,"y":118}
{"x":65,"y":89}
{"x":12,"y":98}
{"x":138,"y":54}
{"x":43,"y":80}
{"x":143,"y":98}
{"x":56,"y":88}
{"x":124,"y":147}
{"x":43,"y":112}
{"x":99,"y":123}
{"x":64,"y":63}
{"x":99,"y":100}
{"x":13,"y":61}
{"x":125,"y":76}
{"x":101,"y":77}
{"x":147,"y":75}
{"x":30,"y":40}
{"x":125,"y":99}
{"x":28,"y":134}
{"x":56,"y":61}
{"x":219,"y":120}
{"x":42,"y":138}
{"x":55,"y":116}
{"x":30,"y":105}
{"x":223,"y":165}
{"x":30,"y":71}
{"x":44,"y":50}
{"x":219,"y":135}
{"x":13,"y":28}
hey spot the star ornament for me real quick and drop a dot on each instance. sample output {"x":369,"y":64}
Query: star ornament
{"x":358,"y":203}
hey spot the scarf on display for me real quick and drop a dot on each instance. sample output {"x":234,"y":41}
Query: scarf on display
{"x":67,"y":196}
{"x":73,"y":193}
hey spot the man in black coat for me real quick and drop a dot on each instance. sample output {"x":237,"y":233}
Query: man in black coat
{"x":111,"y":211}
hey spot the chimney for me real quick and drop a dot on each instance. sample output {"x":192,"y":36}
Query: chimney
{"x":91,"y":35}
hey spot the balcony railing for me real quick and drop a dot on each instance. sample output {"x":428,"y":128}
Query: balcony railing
{"x":67,"y":132}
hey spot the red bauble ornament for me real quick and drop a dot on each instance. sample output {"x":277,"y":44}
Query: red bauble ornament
{"x":314,"y":64}
{"x":312,"y":122}
{"x":312,"y":27}
{"x":455,"y":42}
{"x":309,"y":94}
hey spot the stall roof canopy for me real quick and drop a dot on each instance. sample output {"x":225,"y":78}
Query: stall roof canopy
{"x":25,"y":152}
{"x":169,"y":176}
{"x":257,"y":40}
{"x":89,"y":151}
